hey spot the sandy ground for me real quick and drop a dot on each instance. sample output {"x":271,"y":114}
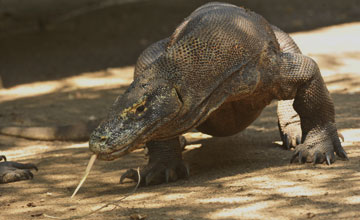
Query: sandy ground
{"x":246,"y":176}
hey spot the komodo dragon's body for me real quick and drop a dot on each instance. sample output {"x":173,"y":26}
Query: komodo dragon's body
{"x":216,"y":73}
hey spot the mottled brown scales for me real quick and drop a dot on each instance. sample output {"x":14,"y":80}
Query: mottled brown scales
{"x":216,"y":73}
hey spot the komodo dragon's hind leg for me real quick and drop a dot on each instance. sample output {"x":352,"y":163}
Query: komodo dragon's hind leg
{"x":165,"y":163}
{"x":13,"y":171}
{"x":288,"y":119}
{"x":301,"y":79}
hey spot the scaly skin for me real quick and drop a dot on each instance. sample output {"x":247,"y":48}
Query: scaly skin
{"x":216,"y":73}
{"x":288,"y":119}
{"x":13,"y":171}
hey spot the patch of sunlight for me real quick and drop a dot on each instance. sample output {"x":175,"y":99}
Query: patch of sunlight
{"x":260,"y":179}
{"x":335,"y":48}
{"x":274,"y":183}
{"x":227,"y":200}
{"x":248,"y":211}
{"x":110,"y":78}
{"x":114,"y":76}
{"x":179,"y":212}
{"x":28,"y":90}
{"x":343,"y":37}
{"x":142,"y":196}
{"x":176,"y":196}
{"x":357,"y":174}
{"x":344,"y":82}
{"x":338,"y":63}
{"x":352,"y":200}
{"x":324,"y":176}
{"x":25,"y":152}
{"x":297,"y":190}
{"x":351,"y":134}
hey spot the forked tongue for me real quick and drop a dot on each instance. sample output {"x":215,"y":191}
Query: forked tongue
{"x":87,"y":171}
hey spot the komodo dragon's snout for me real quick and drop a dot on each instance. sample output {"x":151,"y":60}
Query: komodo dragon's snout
{"x":135,"y":117}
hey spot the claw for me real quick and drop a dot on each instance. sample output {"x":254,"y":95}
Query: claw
{"x":149,"y":178}
{"x":187,"y":170}
{"x":298,"y":140}
{"x":316,"y":157}
{"x":328,"y":161}
{"x":294,"y":157}
{"x":130,"y":174}
{"x":341,"y":137}
{"x":286,"y":141}
{"x":301,"y":160}
{"x":2,"y":157}
{"x":293,"y":142}
{"x":341,"y":153}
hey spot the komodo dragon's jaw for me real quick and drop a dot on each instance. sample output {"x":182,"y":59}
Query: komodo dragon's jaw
{"x":135,"y":118}
{"x":98,"y":145}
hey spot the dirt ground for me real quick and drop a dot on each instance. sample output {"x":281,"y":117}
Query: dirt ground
{"x":245,"y":176}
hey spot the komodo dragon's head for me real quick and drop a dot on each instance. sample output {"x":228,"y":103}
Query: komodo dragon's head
{"x":135,"y":118}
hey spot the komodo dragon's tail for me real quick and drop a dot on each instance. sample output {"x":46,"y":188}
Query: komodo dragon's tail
{"x":74,"y":132}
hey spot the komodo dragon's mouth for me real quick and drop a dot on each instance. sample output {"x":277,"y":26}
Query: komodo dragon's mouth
{"x":118,"y":153}
{"x":120,"y":150}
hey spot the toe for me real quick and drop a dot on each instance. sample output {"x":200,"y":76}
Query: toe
{"x":129,"y":174}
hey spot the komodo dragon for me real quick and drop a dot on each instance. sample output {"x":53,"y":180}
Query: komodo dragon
{"x":216,"y":73}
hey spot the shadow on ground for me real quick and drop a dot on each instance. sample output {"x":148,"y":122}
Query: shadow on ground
{"x":115,"y":36}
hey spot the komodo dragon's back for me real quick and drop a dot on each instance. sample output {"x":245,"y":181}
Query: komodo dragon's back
{"x":216,"y":41}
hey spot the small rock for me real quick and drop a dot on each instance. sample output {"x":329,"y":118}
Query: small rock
{"x":137,"y":217}
{"x":310,"y":215}
{"x":31,"y":204}
{"x":37,"y":215}
{"x":241,"y":189}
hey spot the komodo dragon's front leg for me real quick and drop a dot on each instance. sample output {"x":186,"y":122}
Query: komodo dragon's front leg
{"x":301,"y":79}
{"x":13,"y":171}
{"x":288,"y":119}
{"x":165,"y":163}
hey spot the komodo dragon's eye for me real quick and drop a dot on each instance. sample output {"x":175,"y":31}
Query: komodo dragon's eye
{"x":140,"y":109}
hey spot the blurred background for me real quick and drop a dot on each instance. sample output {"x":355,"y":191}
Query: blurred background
{"x":52,"y":39}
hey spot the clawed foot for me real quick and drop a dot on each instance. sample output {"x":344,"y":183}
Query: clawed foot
{"x":13,"y":171}
{"x":290,"y":135}
{"x":317,"y":152}
{"x":156,"y":173}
